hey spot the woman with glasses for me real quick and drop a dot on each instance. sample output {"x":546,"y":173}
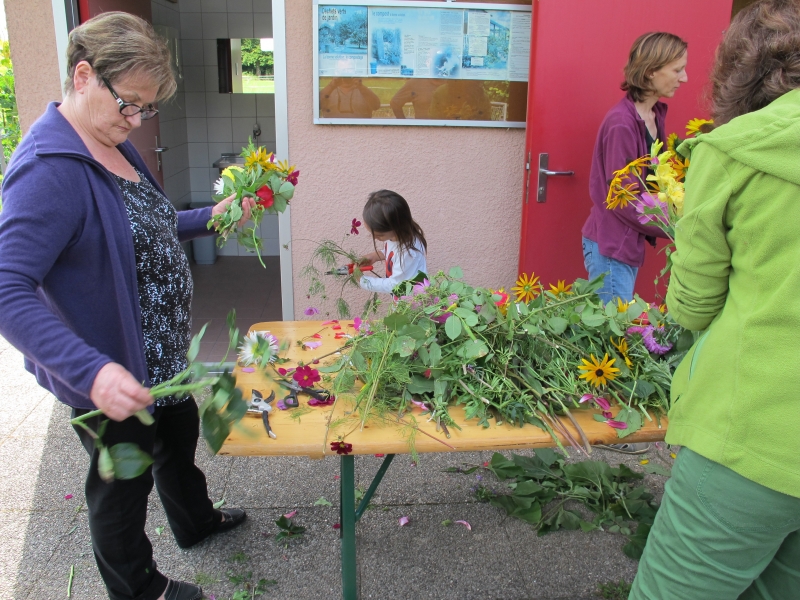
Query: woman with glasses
{"x":96,"y":292}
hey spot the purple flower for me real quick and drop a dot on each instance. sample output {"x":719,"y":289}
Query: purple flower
{"x":650,"y":208}
{"x":442,"y":318}
{"x":312,"y":345}
{"x":354,"y":226}
{"x":420,"y":288}
{"x":635,"y":329}
{"x":602,"y":403}
{"x":311,"y":311}
{"x":652,"y":344}
{"x":452,"y":298}
{"x":616,"y":424}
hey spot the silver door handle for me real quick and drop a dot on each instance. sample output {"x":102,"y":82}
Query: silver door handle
{"x":544,"y":173}
{"x":159,"y":149}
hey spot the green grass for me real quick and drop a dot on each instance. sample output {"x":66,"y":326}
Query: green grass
{"x":614,"y":591}
{"x":253,"y":85}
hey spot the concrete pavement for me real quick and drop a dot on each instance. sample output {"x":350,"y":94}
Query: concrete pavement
{"x":44,"y":533}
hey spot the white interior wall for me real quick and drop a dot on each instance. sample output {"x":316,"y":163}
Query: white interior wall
{"x":218,"y":123}
{"x":200,"y":124}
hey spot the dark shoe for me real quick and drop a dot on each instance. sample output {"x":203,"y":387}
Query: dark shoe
{"x":639,"y":448}
{"x":229,"y":518}
{"x":180,"y":590}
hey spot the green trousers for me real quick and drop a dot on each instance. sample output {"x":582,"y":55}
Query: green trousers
{"x":720,"y":536}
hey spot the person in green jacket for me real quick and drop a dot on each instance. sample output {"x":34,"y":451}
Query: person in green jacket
{"x":729,"y":522}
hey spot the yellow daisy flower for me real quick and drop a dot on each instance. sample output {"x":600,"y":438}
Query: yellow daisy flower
{"x":560,"y":289}
{"x":259,"y":156}
{"x":527,"y":288}
{"x":696,"y":126}
{"x":622,"y":346}
{"x":623,"y":306}
{"x":598,"y":372}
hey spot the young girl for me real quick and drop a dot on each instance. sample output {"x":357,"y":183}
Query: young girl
{"x":387,"y":216}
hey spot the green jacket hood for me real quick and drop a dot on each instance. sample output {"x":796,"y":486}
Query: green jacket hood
{"x":765,"y":140}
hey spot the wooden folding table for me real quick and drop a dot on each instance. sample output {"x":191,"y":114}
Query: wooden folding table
{"x":313,"y":434}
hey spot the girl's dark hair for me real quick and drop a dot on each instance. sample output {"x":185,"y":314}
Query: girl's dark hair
{"x":387,"y":211}
{"x":649,"y":53}
{"x":758,"y":60}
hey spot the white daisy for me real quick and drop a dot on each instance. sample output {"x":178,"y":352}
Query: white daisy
{"x":258,"y":348}
{"x":219,"y":187}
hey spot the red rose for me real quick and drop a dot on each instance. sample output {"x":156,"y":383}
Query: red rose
{"x":266,"y":195}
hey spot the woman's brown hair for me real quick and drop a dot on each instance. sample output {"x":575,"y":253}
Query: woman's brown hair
{"x":387,"y":211}
{"x":118,"y":45}
{"x":758,"y":60}
{"x":649,"y":53}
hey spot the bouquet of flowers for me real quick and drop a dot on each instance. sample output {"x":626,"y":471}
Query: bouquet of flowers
{"x":270,"y":182}
{"x":661,"y":204}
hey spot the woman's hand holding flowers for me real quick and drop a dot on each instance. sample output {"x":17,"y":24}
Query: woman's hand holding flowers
{"x":247,"y":205}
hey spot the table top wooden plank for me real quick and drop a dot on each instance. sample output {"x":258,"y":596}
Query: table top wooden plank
{"x":309,"y":431}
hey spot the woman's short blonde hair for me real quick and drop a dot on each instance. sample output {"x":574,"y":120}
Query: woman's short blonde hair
{"x":118,"y":45}
{"x":649,"y":53}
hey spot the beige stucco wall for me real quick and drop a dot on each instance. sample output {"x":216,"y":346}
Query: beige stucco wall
{"x":464,"y":184}
{"x":32,"y":40}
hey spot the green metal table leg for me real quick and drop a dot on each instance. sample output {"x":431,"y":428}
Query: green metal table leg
{"x":362,"y":506}
{"x":347,"y":501}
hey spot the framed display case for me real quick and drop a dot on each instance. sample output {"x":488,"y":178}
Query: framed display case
{"x":421,"y":63}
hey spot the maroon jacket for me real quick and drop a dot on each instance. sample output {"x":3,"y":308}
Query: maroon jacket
{"x":621,"y":139}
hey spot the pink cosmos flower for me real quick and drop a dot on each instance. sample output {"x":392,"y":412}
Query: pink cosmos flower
{"x":306,"y":376}
{"x":312,"y":345}
{"x":651,"y":202}
{"x":616,"y":424}
{"x":311,"y":311}
{"x":403,"y":521}
{"x":354,"y":226}
{"x":420,"y":288}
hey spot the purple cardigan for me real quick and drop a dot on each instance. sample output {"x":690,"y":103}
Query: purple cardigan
{"x":621,"y":139}
{"x":68,"y":294}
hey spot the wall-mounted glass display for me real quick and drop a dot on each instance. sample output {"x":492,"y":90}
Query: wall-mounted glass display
{"x":421,"y":63}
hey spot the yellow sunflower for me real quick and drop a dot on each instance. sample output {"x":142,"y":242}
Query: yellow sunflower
{"x":560,"y":289}
{"x":527,"y":288}
{"x":696,"y":126}
{"x":259,"y":156}
{"x":598,"y":372}
{"x":671,"y":139}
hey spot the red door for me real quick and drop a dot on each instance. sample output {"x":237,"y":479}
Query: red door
{"x":144,"y":138}
{"x":578,"y":51}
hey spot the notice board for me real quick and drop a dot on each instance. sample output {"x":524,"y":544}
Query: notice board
{"x":421,"y":63}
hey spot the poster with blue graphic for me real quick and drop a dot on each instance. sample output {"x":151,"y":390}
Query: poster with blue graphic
{"x":342,"y":41}
{"x":415,"y":42}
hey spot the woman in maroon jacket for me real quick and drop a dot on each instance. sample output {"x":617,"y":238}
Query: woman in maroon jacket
{"x":613,"y":240}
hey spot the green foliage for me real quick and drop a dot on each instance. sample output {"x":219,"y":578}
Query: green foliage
{"x":614,"y":590}
{"x":328,"y":256}
{"x":446,"y":343}
{"x":543,"y":484}
{"x":255,"y":60}
{"x":11,"y":132}
{"x":288,"y":530}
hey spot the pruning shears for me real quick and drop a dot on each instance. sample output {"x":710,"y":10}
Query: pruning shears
{"x":259,"y":405}
{"x":291,"y":400}
{"x":348,"y":269}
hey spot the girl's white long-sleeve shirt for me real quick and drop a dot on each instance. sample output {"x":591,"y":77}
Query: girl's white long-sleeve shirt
{"x":400,"y":266}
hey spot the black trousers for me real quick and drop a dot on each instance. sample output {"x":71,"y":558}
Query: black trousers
{"x":118,"y":510}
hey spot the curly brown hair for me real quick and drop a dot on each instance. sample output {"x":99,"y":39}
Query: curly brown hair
{"x":758,"y":60}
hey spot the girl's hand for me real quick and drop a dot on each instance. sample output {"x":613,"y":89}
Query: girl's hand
{"x":247,"y":205}
{"x":369,"y":259}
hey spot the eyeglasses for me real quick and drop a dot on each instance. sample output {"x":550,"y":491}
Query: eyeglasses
{"x":130,"y":109}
